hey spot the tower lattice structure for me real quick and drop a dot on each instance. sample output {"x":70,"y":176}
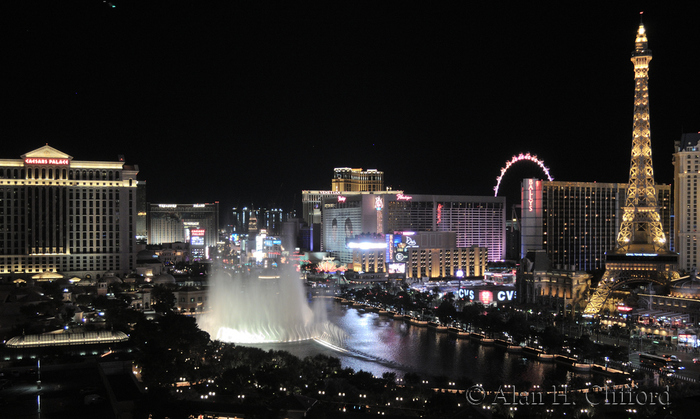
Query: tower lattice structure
{"x":641,"y":222}
{"x":642,"y":253}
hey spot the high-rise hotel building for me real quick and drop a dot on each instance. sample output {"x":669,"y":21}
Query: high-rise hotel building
{"x":475,"y":220}
{"x":344,"y":179}
{"x":196,"y":224}
{"x":67,"y":216}
{"x":576,"y":223}
{"x":686,"y":170}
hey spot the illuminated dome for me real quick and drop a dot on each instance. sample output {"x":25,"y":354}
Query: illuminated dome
{"x":686,"y":288}
{"x":163,"y":279}
{"x":86,"y":282}
{"x":111,"y":278}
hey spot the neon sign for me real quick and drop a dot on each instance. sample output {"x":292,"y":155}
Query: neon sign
{"x":378,"y":203}
{"x":439,"y":213}
{"x":505,"y":295}
{"x":167,"y":205}
{"x":197,"y":232}
{"x":462,"y":293}
{"x":530,"y":193}
{"x":341,"y":198}
{"x":402,"y":197}
{"x":486,"y":296}
{"x":59,"y":162}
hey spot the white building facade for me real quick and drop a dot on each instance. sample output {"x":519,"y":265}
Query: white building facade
{"x":686,"y":171}
{"x":73,"y":217}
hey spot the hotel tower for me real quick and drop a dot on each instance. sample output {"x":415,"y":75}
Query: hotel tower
{"x":66,"y":216}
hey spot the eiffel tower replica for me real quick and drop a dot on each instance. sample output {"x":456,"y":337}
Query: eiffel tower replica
{"x":642,"y":253}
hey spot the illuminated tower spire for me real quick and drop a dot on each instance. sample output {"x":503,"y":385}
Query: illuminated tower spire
{"x":641,"y":230}
{"x":641,"y":254}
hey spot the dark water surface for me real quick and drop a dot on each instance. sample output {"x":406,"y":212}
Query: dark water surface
{"x":396,"y":346}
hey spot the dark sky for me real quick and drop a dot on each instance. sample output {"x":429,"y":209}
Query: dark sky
{"x":252,"y":104}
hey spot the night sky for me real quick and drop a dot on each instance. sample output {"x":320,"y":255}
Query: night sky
{"x":250,"y":105}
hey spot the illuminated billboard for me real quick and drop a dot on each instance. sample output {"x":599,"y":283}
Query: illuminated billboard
{"x":487,"y":296}
{"x":197,"y":232}
{"x":197,"y":241}
{"x":396,"y":268}
{"x":688,"y":339}
{"x":367,"y":241}
{"x":399,"y":244}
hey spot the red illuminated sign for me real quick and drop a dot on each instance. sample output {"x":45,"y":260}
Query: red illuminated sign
{"x":624,"y":309}
{"x":58,"y":162}
{"x":486,"y":297}
{"x":197,"y":232}
{"x":402,"y":197}
{"x":341,"y":198}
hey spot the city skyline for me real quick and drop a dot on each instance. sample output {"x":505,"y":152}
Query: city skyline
{"x":253,"y":105}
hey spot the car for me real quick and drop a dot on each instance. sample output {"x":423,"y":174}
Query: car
{"x":695,"y":360}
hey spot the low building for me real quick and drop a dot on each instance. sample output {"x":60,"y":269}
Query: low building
{"x":680,"y":308}
{"x":191,"y":299}
{"x":537,"y":283}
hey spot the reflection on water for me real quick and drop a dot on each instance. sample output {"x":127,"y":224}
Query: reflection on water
{"x":398,"y":347}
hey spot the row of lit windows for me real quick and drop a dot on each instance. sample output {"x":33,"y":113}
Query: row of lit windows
{"x":74,"y":263}
{"x":59,"y":174}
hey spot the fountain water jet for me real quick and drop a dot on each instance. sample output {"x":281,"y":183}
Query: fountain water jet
{"x":267,"y":307}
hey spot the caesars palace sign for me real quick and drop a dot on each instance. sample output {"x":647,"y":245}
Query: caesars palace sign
{"x":57,"y":162}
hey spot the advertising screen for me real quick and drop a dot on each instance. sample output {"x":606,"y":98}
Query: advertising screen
{"x":197,"y":241}
{"x":401,"y":242}
{"x":686,"y":339}
{"x":486,"y":297}
{"x":397,"y":268}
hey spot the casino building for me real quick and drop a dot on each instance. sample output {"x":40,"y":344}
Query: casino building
{"x":68,"y":216}
{"x":196,"y":224}
{"x":346,"y":179}
{"x":577,"y":222}
{"x":686,"y":172}
{"x":475,"y":220}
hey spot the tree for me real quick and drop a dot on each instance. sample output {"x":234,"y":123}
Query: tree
{"x":411,"y":379}
{"x":446,"y":312}
{"x":163,"y":299}
{"x":169,"y":348}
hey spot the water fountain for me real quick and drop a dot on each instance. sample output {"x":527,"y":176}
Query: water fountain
{"x":269,"y":306}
